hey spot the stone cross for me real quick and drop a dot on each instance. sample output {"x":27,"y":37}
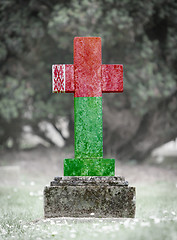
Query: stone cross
{"x":88,"y":78}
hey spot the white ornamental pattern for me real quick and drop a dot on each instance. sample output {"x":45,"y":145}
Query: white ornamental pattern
{"x":58,"y":77}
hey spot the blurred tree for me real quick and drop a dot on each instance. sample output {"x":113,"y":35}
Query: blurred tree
{"x":141,"y":35}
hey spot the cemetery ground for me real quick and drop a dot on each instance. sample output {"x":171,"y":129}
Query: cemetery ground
{"x":24,"y":174}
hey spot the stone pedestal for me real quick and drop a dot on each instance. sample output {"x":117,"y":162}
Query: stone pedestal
{"x":101,"y":197}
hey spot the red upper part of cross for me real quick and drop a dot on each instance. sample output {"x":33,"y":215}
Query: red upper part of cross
{"x":87,"y":77}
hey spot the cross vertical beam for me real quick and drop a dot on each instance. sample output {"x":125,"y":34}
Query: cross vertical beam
{"x":87,"y":98}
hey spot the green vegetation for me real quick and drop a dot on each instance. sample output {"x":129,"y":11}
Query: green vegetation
{"x":139,"y":34}
{"x":21,"y":201}
{"x":21,"y":217}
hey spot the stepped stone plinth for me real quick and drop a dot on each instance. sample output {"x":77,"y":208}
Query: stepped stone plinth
{"x":89,"y":197}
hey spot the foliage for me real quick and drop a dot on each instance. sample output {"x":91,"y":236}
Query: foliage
{"x":36,"y":34}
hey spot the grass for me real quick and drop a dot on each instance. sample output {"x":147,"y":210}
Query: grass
{"x":21,"y":205}
{"x":21,"y":216}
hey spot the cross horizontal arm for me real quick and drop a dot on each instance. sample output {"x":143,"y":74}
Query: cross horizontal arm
{"x":112,"y":78}
{"x":63,"y":78}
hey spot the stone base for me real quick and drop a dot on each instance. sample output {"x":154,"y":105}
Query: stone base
{"x":102,"y":197}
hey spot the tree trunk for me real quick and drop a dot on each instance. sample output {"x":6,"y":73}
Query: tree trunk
{"x":156,"y":127}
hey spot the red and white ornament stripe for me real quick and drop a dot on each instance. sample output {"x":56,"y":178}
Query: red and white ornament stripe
{"x":58,"y":78}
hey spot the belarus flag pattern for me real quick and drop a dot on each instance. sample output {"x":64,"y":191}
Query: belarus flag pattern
{"x":87,"y":78}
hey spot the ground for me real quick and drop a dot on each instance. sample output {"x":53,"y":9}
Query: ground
{"x":24,"y":174}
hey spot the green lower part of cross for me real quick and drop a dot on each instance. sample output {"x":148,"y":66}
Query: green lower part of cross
{"x":89,"y":167}
{"x":88,"y":127}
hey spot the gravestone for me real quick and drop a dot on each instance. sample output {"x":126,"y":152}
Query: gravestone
{"x":89,"y":187}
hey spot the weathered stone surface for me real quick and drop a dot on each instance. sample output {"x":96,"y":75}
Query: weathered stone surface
{"x":86,"y":196}
{"x":89,"y":197}
{"x":89,"y":167}
{"x":87,"y":78}
{"x":88,"y":180}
